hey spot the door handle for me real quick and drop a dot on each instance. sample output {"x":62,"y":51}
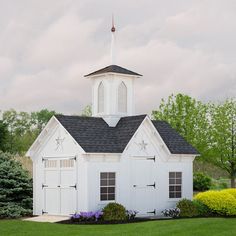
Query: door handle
{"x":74,"y":186}
{"x":152,"y":185}
{"x":58,"y":186}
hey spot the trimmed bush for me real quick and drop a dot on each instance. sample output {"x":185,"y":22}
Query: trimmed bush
{"x":219,"y":202}
{"x":114,"y":212}
{"x":231,"y":191}
{"x":15,"y":188}
{"x":201,"y":182}
{"x":202,"y":209}
{"x":187,"y":208}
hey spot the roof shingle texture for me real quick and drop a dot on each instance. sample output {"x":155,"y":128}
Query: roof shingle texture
{"x":113,"y":69}
{"x":95,"y":136}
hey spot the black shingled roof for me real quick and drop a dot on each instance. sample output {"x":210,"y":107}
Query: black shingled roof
{"x":113,"y":69}
{"x":175,"y":142}
{"x":95,"y":136}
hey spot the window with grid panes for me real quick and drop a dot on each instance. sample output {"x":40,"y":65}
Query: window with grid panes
{"x":175,"y":184}
{"x":107,"y":186}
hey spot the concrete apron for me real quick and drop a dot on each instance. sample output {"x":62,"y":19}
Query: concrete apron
{"x":47,"y":218}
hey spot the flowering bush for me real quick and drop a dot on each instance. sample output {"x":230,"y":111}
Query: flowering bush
{"x":131,"y":214}
{"x":87,"y":216}
{"x":219,"y":202}
{"x":171,"y":212}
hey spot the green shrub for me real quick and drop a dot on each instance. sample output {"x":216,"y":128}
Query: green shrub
{"x":201,"y":182}
{"x":15,"y":188}
{"x":202,"y":209}
{"x":114,"y":212}
{"x":187,"y":208}
{"x":219,"y":202}
{"x":12,"y":210}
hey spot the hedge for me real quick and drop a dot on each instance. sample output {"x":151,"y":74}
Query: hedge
{"x":219,"y":202}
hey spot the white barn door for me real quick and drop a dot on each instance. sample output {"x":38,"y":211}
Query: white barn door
{"x":143,"y":186}
{"x":59,"y":186}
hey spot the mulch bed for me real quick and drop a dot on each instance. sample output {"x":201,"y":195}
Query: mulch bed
{"x":101,"y":222}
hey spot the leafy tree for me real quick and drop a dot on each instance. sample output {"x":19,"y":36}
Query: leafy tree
{"x":223,"y":134}
{"x":15,"y":188}
{"x":41,"y":118}
{"x":24,"y":127}
{"x":87,"y":111}
{"x":189,"y":117}
{"x":211,"y":128}
{"x":3,"y":136}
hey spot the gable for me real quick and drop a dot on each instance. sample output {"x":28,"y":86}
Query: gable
{"x":54,"y":140}
{"x":144,"y":143}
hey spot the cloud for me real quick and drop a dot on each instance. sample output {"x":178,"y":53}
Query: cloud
{"x":47,"y":47}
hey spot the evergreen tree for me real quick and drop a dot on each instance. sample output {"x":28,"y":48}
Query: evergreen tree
{"x":15,"y":188}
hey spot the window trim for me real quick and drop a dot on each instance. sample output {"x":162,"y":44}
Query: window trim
{"x":175,"y":198}
{"x":100,"y":186}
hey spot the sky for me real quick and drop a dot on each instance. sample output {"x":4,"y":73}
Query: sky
{"x":47,"y":46}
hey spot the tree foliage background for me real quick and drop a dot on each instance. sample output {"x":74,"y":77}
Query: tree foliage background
{"x":20,"y":129}
{"x":210,"y":128}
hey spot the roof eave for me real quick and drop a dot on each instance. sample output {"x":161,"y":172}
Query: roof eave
{"x":91,"y":76}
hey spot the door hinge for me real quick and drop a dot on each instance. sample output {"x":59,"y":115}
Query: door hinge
{"x":43,"y":185}
{"x":152,"y":185}
{"x":151,"y":158}
{"x":152,"y":212}
{"x":74,"y":186}
{"x":44,"y":212}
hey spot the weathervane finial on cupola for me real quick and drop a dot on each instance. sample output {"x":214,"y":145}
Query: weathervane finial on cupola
{"x":113,"y":29}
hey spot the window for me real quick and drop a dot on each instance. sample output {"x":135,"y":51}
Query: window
{"x":107,"y":186}
{"x":100,"y":98}
{"x":122,"y":98}
{"x":175,"y":184}
{"x":50,"y":164}
{"x":67,"y":163}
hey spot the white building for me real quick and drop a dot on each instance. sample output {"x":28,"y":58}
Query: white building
{"x":83,"y":163}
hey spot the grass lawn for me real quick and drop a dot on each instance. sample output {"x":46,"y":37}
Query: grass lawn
{"x":198,"y":227}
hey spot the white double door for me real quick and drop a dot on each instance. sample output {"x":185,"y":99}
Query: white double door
{"x":144,"y":186}
{"x":59,"y":187}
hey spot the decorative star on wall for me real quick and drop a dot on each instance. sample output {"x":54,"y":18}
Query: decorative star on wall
{"x":143,"y":145}
{"x":59,"y":142}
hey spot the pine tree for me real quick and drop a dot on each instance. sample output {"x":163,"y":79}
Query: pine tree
{"x":15,"y":188}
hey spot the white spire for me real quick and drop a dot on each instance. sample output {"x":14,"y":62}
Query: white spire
{"x":113,"y":29}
